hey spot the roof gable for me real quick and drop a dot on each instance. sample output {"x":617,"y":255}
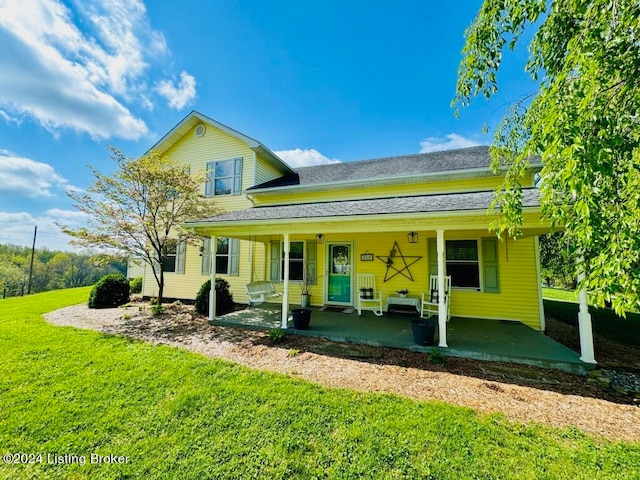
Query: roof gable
{"x":194,"y":118}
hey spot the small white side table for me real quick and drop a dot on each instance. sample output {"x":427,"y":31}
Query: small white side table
{"x":395,"y":300}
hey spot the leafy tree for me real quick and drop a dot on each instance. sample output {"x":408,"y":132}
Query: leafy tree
{"x":583,"y":123}
{"x":138,"y":210}
{"x":557,"y":268}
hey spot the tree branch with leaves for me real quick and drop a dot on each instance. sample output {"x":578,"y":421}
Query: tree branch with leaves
{"x":583,"y":122}
{"x":137,"y":211}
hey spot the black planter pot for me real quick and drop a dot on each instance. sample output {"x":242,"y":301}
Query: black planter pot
{"x":301,"y":318}
{"x":423,"y":331}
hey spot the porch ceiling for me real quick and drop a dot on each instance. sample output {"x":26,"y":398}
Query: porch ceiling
{"x":455,"y":211}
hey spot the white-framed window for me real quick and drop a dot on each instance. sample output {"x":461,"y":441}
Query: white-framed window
{"x":462,"y":262}
{"x":227,"y":256}
{"x":296,"y":261}
{"x":302,"y":253}
{"x":472,"y":263}
{"x":174,"y":256}
{"x":224,"y":177}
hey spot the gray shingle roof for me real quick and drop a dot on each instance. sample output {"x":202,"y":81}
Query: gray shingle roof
{"x":402,"y":166}
{"x":452,"y":202}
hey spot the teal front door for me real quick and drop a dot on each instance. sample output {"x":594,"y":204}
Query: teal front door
{"x":340,"y":270}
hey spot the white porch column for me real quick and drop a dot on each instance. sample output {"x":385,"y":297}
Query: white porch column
{"x":212,"y":267}
{"x":584,"y":325}
{"x":285,"y":295}
{"x":442,"y":307}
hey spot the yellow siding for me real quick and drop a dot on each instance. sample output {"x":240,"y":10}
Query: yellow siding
{"x":265,"y":171}
{"x":216,"y":145}
{"x":518,"y":297}
{"x":186,"y":285}
{"x":381,"y":191}
{"x":517,"y":300}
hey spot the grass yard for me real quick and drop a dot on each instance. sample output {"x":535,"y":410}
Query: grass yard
{"x":175,"y":414}
{"x":559,"y":294}
{"x":560,"y":304}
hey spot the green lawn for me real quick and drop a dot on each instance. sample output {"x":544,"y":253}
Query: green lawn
{"x":560,"y":304}
{"x":559,"y":294}
{"x":175,"y":414}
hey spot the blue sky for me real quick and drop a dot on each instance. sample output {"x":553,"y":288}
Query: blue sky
{"x":315,"y":82}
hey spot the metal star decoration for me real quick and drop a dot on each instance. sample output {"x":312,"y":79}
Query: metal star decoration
{"x":394,"y":258}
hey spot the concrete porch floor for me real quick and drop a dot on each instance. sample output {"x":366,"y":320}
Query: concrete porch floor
{"x":492,"y":340}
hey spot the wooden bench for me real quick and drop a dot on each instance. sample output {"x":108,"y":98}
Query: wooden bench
{"x":259,"y":292}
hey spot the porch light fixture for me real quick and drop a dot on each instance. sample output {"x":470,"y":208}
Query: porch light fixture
{"x":320,"y":239}
{"x":413,"y":237}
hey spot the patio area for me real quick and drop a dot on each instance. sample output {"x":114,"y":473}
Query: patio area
{"x":493,"y":340}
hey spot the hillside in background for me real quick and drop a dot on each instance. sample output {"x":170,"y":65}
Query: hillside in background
{"x":52,"y":270}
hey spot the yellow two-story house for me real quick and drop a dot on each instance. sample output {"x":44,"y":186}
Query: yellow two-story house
{"x":401,"y":218}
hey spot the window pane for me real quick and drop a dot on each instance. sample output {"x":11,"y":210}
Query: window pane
{"x":466,"y":275}
{"x":169,"y":264}
{"x":297,"y":250}
{"x":222,"y":264}
{"x":171,"y":247}
{"x":223,"y":246}
{"x":224,"y":186}
{"x":295,"y":270}
{"x":224,"y":169}
{"x":462,"y":250}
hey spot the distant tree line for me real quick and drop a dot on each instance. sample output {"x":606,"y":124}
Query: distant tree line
{"x":52,"y":270}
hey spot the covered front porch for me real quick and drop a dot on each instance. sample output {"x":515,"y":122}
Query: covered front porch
{"x":493,"y":340}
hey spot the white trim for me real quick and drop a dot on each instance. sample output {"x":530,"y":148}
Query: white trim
{"x":584,"y":323}
{"x":478,"y":240}
{"x":285,"y":295}
{"x":212,"y":292}
{"x":442,"y":307}
{"x":536,"y":240}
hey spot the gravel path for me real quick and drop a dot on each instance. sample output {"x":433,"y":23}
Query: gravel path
{"x":522,"y":394}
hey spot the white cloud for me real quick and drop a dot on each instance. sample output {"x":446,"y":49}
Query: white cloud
{"x":26,"y":177}
{"x":17,"y":229}
{"x":180,"y":95}
{"x":304,"y":158}
{"x":79,"y":69}
{"x":448,"y":142}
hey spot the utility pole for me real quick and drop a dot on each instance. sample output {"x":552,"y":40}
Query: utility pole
{"x":33,"y":250}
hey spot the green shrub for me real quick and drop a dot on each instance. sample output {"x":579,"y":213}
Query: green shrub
{"x":277,"y":335}
{"x":136,"y":285}
{"x":224,"y":298}
{"x":111,"y":291}
{"x":157,"y":309}
{"x":436,"y":357}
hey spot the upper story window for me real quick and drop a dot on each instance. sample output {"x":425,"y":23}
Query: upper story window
{"x":224,"y":177}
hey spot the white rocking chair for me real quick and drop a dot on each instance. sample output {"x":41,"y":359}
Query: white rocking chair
{"x":430,"y":300}
{"x":368,"y":297}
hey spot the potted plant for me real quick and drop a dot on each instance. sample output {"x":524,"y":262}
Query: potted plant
{"x":403,"y":293}
{"x":305,"y":286}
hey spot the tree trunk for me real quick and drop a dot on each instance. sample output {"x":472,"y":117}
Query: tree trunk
{"x":161,"y":287}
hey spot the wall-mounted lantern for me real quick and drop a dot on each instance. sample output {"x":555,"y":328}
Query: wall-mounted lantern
{"x":320,"y":239}
{"x":413,"y":237}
